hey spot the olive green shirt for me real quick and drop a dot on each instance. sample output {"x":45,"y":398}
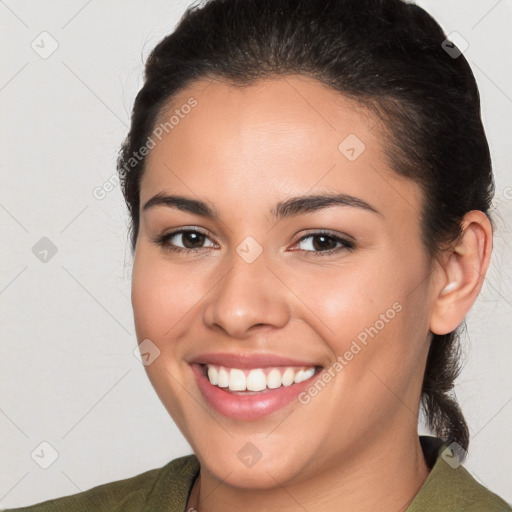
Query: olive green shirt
{"x":448,"y":488}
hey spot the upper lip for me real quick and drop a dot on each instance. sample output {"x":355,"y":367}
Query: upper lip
{"x":240,"y":360}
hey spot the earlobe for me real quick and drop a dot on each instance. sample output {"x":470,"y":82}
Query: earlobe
{"x":460,"y":278}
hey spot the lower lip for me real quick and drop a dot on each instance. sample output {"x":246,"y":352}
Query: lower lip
{"x":248,"y":407}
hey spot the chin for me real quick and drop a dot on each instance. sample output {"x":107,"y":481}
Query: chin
{"x":240,"y":463}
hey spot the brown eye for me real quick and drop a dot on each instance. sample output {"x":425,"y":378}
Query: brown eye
{"x":191,"y":240}
{"x":325,"y":243}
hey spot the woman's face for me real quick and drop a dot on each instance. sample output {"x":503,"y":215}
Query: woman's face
{"x":262,"y":289}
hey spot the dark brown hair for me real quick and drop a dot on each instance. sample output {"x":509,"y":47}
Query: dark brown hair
{"x":389,"y":56}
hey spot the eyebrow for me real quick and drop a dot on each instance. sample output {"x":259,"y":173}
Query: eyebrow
{"x":287,"y":208}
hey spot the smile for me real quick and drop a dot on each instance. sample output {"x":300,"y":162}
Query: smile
{"x":249,"y":394}
{"x":256,"y":379}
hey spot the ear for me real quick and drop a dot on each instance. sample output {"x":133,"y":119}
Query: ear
{"x":460,"y":274}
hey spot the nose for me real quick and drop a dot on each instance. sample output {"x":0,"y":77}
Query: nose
{"x":249,"y":296}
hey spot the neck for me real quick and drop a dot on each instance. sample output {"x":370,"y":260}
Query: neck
{"x":385,"y":475}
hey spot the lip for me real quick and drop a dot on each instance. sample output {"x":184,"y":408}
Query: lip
{"x":249,"y":407}
{"x":248,"y":361}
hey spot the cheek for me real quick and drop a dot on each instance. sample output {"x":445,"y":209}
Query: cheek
{"x":374,"y":313}
{"x":349,"y":299}
{"x":161,"y":295}
{"x":158,"y":305}
{"x":146,"y":291}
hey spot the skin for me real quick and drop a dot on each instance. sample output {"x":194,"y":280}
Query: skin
{"x":242,"y":150}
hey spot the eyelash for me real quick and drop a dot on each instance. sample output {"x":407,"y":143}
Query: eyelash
{"x":163,"y":241}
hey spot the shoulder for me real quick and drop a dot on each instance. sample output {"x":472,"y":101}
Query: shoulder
{"x":450,"y":486}
{"x":474,"y":495}
{"x":167,"y":485}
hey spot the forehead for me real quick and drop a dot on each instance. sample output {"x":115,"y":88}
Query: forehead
{"x":277,"y":137}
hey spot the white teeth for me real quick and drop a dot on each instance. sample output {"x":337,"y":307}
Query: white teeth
{"x":299,"y":376}
{"x":256,"y":379}
{"x":237,"y":380}
{"x":288,"y":377}
{"x":223,"y":378}
{"x":213,"y":375}
{"x":274,"y":379}
{"x":308,"y":374}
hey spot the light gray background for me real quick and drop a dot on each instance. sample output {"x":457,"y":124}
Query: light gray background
{"x":69,"y":377}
